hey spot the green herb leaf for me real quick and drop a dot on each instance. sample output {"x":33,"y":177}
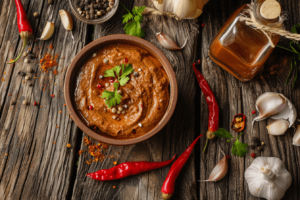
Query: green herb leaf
{"x":112,"y":98}
{"x":223,"y":133}
{"x":127,"y":17}
{"x":126,"y":70}
{"x":134,"y":27}
{"x":110,"y":73}
{"x":117,"y":69}
{"x":239,"y":148}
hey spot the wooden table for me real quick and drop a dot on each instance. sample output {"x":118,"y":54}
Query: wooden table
{"x":35,"y":162}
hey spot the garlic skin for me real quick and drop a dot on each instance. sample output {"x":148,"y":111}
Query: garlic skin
{"x":288,"y":113}
{"x":189,"y":9}
{"x":167,"y":42}
{"x":48,"y":31}
{"x":269,"y":104}
{"x":66,"y":19}
{"x":268,"y":178}
{"x":278,"y":127}
{"x":219,"y":171}
{"x":296,"y":138}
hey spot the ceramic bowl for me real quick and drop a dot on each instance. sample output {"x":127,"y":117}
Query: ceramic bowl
{"x":87,"y":51}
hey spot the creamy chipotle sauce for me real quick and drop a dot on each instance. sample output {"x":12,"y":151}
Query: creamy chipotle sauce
{"x":145,"y":97}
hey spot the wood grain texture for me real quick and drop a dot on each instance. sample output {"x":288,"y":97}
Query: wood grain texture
{"x":173,"y":139}
{"x":239,"y":97}
{"x":33,"y":166}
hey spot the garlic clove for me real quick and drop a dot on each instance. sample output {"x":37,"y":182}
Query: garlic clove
{"x":184,"y":8}
{"x":269,"y":104}
{"x":288,"y":113}
{"x":167,"y":42}
{"x":66,"y":19}
{"x":278,"y":127}
{"x":48,"y":31}
{"x":296,"y":138}
{"x":219,"y":171}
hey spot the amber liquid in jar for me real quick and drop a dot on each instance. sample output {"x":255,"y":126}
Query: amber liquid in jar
{"x":240,"y":49}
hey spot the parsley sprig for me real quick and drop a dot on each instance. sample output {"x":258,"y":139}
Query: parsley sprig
{"x":238,"y":148}
{"x":295,"y":49}
{"x":136,"y":18}
{"x":112,"y":98}
{"x":122,"y":72}
{"x":123,"y":79}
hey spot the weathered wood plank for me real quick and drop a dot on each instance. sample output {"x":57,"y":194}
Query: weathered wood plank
{"x":235,"y":97}
{"x":174,"y":138}
{"x":32,"y":165}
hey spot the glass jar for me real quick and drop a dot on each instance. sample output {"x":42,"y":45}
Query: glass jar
{"x":240,"y":49}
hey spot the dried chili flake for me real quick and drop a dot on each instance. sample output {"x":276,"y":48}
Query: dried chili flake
{"x":238,"y":123}
{"x":115,"y":162}
{"x":54,"y":142}
{"x":60,"y":112}
{"x":3,"y":79}
{"x":88,"y":162}
{"x":48,"y":61}
{"x":68,"y":145}
{"x":52,"y":95}
{"x":114,"y":187}
{"x":9,"y":94}
{"x":51,"y":46}
{"x":55,"y":72}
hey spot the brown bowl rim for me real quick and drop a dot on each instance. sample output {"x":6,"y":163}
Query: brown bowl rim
{"x":154,"y":51}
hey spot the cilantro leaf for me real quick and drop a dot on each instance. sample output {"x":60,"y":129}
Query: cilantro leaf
{"x":134,"y":27}
{"x":117,"y":69}
{"x":223,"y":133}
{"x":112,"y":98}
{"x":239,"y":148}
{"x":126,"y":70}
{"x":124,"y":80}
{"x":127,"y":17}
{"x":109,"y":73}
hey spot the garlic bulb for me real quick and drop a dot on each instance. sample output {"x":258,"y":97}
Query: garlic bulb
{"x":189,"y":9}
{"x":278,"y":127}
{"x":296,"y":138}
{"x":167,"y":42}
{"x":275,"y":106}
{"x":48,"y":31}
{"x":268,"y":178}
{"x":219,"y":171}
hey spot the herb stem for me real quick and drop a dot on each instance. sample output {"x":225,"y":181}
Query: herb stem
{"x":286,"y":49}
{"x":125,"y":8}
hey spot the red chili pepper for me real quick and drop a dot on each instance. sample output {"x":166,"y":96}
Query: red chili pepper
{"x":24,"y":26}
{"x":169,"y":183}
{"x":127,"y":169}
{"x":213,"y":107}
{"x":238,"y":122}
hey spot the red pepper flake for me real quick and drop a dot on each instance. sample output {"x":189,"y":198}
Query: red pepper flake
{"x":55,"y":72}
{"x":3,"y":79}
{"x":142,"y":105}
{"x":227,"y":157}
{"x":159,"y":108}
{"x":115,"y":162}
{"x":111,"y":80}
{"x":90,"y":107}
{"x":64,"y":104}
{"x":114,"y":187}
{"x":95,"y":127}
{"x":99,"y":86}
{"x":51,"y":46}
{"x":9,"y":94}
{"x":11,"y":60}
{"x":4,"y":72}
{"x":202,"y":25}
{"x":253,"y":155}
{"x":253,"y":112}
{"x":126,"y":60}
{"x":54,"y":142}
{"x":34,"y":103}
{"x":52,"y":95}
{"x":199,"y":61}
{"x":60,"y":112}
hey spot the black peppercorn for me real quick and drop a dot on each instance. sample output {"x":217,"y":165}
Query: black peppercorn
{"x":103,"y":12}
{"x":252,"y":146}
{"x":92,"y":11}
{"x":259,"y":148}
{"x":105,"y":5}
{"x":95,"y":6}
{"x":21,"y":73}
{"x":255,"y":141}
{"x":81,"y":5}
{"x":86,"y":8}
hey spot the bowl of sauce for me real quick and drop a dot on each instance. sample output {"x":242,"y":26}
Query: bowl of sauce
{"x":120,"y":90}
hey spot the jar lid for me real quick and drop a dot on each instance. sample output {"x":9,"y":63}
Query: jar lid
{"x":270,"y":9}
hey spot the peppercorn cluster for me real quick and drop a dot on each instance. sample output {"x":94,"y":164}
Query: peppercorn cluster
{"x":93,"y":9}
{"x":255,"y":144}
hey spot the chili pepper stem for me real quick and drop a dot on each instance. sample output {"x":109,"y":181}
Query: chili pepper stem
{"x":24,"y":45}
{"x":206,"y":143}
{"x":209,"y":136}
